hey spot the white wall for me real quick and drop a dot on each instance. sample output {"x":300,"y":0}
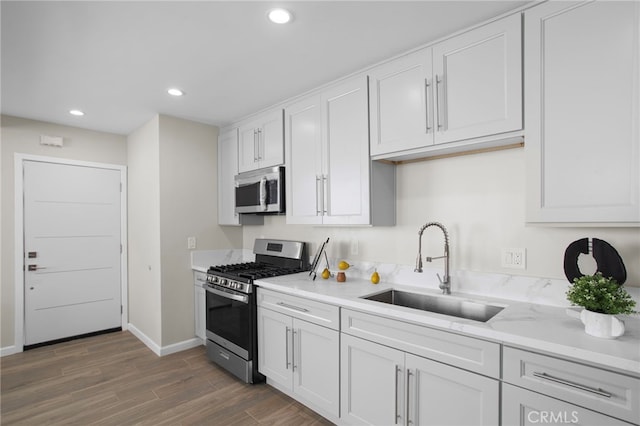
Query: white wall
{"x":480,"y":198}
{"x":19,"y":135}
{"x":145,"y":277}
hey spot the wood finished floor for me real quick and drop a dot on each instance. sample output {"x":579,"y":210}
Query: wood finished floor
{"x":114,"y":379}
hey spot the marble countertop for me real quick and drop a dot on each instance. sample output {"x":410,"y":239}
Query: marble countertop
{"x":533,"y":326}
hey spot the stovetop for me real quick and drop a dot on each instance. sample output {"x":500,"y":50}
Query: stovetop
{"x":250,"y":271}
{"x":273,"y":258}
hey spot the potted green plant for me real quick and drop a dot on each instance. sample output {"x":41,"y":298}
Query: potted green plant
{"x":602,"y":299}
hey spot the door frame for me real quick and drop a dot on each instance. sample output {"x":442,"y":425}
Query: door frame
{"x":19,"y":308}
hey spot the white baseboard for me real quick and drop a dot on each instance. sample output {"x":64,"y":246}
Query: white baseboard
{"x":9,"y":350}
{"x":164,"y":350}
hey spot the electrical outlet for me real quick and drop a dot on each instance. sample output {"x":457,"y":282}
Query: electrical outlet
{"x":355,"y":247}
{"x":191,"y":243}
{"x":513,"y":258}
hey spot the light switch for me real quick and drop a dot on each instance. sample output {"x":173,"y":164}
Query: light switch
{"x":191,"y":243}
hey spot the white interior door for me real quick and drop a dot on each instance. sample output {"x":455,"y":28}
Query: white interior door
{"x":72,"y":250}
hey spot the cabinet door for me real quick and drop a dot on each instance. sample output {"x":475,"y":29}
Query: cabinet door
{"x":346,"y":161}
{"x":316,"y":374}
{"x":248,"y":147}
{"x":303,"y":147}
{"x":401,"y":104}
{"x":271,"y":140}
{"x":438,"y":391}
{"x":582,"y":117}
{"x":227,"y":169}
{"x":521,"y":407}
{"x":478,"y":82}
{"x":371,"y":383}
{"x":274,"y":347}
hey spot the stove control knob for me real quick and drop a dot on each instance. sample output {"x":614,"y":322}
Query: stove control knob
{"x":222,"y":281}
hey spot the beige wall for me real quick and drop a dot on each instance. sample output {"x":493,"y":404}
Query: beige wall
{"x":143,"y":190}
{"x":480,"y":199}
{"x":22,"y":136}
{"x":188,"y":208}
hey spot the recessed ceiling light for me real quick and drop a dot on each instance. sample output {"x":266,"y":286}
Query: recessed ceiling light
{"x":279,"y":16}
{"x":175,"y":92}
{"x":76,"y":112}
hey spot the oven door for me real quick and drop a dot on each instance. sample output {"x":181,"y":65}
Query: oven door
{"x":229,"y":320}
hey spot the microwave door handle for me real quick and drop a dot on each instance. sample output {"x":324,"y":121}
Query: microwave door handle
{"x":263,"y":194}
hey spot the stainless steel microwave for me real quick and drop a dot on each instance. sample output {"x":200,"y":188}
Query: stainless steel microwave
{"x":260,"y":191}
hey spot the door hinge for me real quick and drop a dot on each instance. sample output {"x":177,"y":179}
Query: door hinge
{"x":121,"y":309}
{"x":120,"y":186}
{"x":120,"y":248}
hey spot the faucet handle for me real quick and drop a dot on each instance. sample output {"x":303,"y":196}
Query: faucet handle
{"x":439,"y":279}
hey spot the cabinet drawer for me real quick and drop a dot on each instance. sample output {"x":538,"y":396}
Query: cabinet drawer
{"x":604,"y":391}
{"x":479,"y":356}
{"x":309,"y":310}
{"x":521,"y":407}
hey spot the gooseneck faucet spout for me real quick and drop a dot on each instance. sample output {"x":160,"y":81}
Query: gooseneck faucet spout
{"x":445,"y":283}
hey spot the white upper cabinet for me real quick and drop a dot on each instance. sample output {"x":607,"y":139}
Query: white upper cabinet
{"x":478,"y":82}
{"x":582,"y":117}
{"x":227,"y":169}
{"x":328,"y":166}
{"x":261,"y":142}
{"x":466,"y":87}
{"x":401,"y":104}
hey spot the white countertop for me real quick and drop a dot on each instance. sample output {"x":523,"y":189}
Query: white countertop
{"x":537,"y":327}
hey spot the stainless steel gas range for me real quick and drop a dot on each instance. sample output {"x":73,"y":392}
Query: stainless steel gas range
{"x":231,"y":304}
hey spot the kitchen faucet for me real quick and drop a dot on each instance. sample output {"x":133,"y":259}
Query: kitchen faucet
{"x":445,"y":284}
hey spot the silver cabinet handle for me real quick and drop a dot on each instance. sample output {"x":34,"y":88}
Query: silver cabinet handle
{"x":223,"y":355}
{"x":325,"y":192}
{"x":408,"y":396}
{"x":293,"y":350}
{"x":255,"y":145}
{"x":397,"y":414}
{"x":551,"y":378}
{"x":260,"y":145}
{"x":438,"y":123}
{"x":286,"y":348}
{"x":318,"y":196}
{"x":426,"y":103}
{"x":295,"y":308}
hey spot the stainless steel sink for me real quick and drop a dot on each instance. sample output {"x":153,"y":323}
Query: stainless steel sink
{"x":445,"y":305}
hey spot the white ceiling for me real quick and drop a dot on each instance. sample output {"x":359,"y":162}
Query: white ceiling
{"x":114,"y":60}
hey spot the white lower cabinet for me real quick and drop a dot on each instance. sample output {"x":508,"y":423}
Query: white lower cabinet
{"x":521,"y":407}
{"x":381,"y":385}
{"x":300,"y":357}
{"x":537,"y":385}
{"x":199,"y":302}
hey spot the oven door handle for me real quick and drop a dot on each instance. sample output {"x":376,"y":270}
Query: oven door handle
{"x":228,"y":295}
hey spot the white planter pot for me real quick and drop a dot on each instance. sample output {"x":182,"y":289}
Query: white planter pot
{"x":601,"y":325}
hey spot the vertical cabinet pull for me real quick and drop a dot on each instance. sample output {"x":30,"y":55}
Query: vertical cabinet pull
{"x":397,"y":414}
{"x":426,"y":104}
{"x":293,"y":349}
{"x":260,"y":145}
{"x":255,"y":145}
{"x":438,"y":122}
{"x":325,"y":191}
{"x":286,"y":348}
{"x":318,"y":196}
{"x":408,"y":396}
